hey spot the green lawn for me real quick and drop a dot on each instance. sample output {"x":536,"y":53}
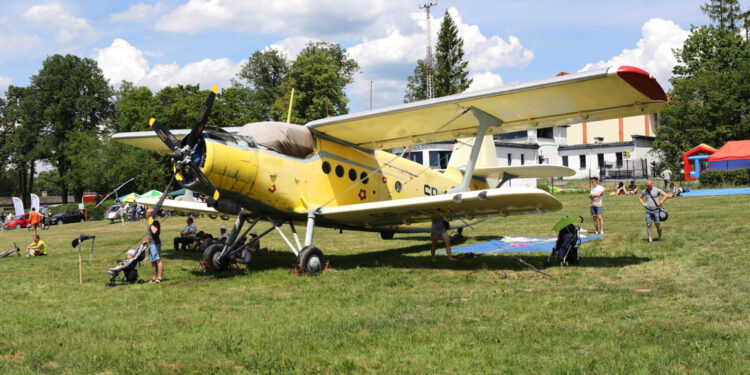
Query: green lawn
{"x":677,"y":306}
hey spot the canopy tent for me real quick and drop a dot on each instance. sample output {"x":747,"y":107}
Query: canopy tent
{"x":130,"y":198}
{"x":733,"y":155}
{"x":176,"y":193}
{"x":151,"y":194}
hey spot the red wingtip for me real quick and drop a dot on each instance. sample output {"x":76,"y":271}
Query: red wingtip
{"x":642,"y":81}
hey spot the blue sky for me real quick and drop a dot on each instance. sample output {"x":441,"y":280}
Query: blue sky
{"x":159,"y":43}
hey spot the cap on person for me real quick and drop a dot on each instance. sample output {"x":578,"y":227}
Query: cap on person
{"x":254,"y":233}
{"x":223,"y":227}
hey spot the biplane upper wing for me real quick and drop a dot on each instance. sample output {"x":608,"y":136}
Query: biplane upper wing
{"x":568,"y":99}
{"x":181,"y":206}
{"x":466,"y":205}
{"x":525,"y":171}
{"x":150,"y":141}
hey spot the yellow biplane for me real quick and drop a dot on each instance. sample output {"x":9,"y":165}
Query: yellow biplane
{"x":334,"y":172}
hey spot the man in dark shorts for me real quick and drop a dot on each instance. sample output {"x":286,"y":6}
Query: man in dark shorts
{"x":440,"y":230}
{"x":153,"y":228}
{"x":649,"y":199}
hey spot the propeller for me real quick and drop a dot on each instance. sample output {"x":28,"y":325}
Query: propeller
{"x":182,"y":151}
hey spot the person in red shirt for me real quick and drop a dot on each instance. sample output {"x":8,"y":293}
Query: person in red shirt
{"x":34,"y":219}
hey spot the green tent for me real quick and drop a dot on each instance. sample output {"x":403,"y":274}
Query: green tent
{"x":177,"y":193}
{"x":130,"y":198}
{"x":151,"y":194}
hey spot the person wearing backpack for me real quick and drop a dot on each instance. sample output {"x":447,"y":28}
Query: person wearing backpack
{"x":649,"y":200}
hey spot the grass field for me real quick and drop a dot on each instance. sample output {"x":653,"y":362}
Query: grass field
{"x":671,"y":307}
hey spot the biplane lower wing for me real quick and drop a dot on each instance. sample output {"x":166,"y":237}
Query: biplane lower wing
{"x":180,"y":206}
{"x":466,"y":205}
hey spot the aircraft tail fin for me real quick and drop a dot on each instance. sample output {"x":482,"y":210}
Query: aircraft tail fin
{"x":462,"y":150}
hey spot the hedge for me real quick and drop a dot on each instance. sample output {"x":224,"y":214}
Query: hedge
{"x":732,"y":177}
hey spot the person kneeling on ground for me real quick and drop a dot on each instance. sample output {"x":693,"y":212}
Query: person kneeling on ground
{"x":36,"y":248}
{"x":187,"y":235}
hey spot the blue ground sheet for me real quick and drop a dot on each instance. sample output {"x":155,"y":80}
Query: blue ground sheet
{"x":709,"y":192}
{"x":515,"y":244}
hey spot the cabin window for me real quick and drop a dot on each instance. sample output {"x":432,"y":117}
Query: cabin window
{"x":364,"y":178}
{"x":339,"y":171}
{"x":415,"y":156}
{"x":439,"y":159}
{"x":398,"y":186}
{"x":326,"y":167}
{"x":352,"y":174}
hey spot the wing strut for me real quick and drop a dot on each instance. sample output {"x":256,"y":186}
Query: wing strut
{"x":485,"y":122}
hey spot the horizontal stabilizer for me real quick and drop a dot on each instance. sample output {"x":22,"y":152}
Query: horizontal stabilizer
{"x":180,"y":206}
{"x":525,"y":171}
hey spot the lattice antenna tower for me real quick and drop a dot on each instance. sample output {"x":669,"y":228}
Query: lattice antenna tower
{"x":428,"y":79}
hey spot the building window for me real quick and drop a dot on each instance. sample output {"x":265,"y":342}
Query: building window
{"x":414,"y":156}
{"x":600,"y":160}
{"x":510,"y":158}
{"x":439,"y":159}
{"x":545,"y":133}
{"x":618,"y":155}
{"x":565,"y":161}
{"x":522,"y":159}
{"x":514,"y":135}
{"x":582,"y":161}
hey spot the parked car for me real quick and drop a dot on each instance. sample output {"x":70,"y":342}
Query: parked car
{"x":18,"y":222}
{"x":113,"y":212}
{"x":66,"y":217}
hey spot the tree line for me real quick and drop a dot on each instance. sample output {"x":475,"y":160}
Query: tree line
{"x":67,"y":114}
{"x":710,"y":95}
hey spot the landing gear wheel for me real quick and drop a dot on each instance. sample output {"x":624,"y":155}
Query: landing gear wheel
{"x":212,"y":257}
{"x":311,"y":260}
{"x":386,"y":235}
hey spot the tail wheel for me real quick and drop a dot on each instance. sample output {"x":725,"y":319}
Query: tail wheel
{"x":212,"y":257}
{"x":386,"y":235}
{"x":311,"y":260}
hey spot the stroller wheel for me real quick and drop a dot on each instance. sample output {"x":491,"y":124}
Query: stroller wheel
{"x":110,"y":283}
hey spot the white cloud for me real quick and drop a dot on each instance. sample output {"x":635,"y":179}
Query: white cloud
{"x":68,"y":28}
{"x":4,"y":83}
{"x":12,"y":40}
{"x":138,"y":12}
{"x":122,"y":61}
{"x":292,"y":45}
{"x":485,"y":80}
{"x":653,"y":51}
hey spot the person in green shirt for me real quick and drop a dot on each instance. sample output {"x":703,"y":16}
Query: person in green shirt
{"x":36,"y":248}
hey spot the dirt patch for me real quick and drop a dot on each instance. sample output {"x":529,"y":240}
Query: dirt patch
{"x":191,"y":282}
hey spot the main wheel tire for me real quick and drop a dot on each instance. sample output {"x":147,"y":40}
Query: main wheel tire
{"x":311,"y":260}
{"x":386,"y":235}
{"x":212,"y":258}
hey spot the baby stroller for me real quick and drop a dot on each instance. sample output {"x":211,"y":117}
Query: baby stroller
{"x":128,"y":267}
{"x":568,"y":242}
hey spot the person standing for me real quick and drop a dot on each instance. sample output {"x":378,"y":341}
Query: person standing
{"x":440,"y":230}
{"x":596,"y":195}
{"x":34,"y":219}
{"x":649,"y":200}
{"x":153,"y":228}
{"x":667,"y":176}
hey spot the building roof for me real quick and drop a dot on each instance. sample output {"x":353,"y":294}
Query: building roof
{"x":528,"y":146}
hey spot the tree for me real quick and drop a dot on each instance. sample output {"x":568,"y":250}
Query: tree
{"x":318,"y":74}
{"x":710,"y":94}
{"x":266,"y":72}
{"x":451,"y":72}
{"x":418,"y":90}
{"x":73,"y":96}
{"x":725,"y":12}
{"x":134,"y":106}
{"x":236,"y":106}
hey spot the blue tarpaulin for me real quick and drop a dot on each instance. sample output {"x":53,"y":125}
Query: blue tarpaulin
{"x":709,"y":192}
{"x":517,"y":244}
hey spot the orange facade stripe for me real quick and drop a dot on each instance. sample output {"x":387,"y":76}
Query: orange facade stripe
{"x":622,"y":136}
{"x":584,"y":134}
{"x":648,"y":125}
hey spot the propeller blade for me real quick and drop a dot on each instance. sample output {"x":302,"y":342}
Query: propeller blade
{"x":165,"y":135}
{"x":212,"y":191}
{"x":164,"y":195}
{"x":200,"y":121}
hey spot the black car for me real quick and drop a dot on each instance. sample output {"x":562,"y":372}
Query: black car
{"x":66,"y":217}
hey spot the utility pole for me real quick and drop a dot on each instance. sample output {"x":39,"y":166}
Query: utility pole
{"x":428,"y":79}
{"x":370,"y":95}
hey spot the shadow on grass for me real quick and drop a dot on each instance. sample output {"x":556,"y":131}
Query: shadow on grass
{"x":403,"y":258}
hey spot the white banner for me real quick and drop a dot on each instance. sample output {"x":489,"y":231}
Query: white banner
{"x":18,"y":205}
{"x":35,"y":202}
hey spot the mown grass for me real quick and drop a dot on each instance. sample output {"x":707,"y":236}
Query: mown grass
{"x":677,"y":306}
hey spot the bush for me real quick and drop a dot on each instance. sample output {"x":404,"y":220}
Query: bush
{"x":732,"y":177}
